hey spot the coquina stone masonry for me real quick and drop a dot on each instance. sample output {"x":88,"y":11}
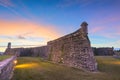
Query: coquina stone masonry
{"x":6,"y":68}
{"x":73,"y":50}
{"x":33,"y":52}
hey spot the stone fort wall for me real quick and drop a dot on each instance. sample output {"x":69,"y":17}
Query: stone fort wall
{"x":34,"y":51}
{"x":73,"y":50}
{"x":6,"y":68}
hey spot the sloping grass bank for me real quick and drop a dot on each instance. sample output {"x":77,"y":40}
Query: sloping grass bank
{"x":3,"y":57}
{"x":29,"y":68}
{"x":110,"y":66}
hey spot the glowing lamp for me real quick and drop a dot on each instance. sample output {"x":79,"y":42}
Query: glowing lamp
{"x":15,"y":61}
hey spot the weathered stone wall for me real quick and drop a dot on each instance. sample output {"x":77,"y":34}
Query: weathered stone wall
{"x":104,"y":51}
{"x":13,"y":51}
{"x":35,"y":51}
{"x":6,"y":68}
{"x":73,"y":50}
{"x":40,"y":51}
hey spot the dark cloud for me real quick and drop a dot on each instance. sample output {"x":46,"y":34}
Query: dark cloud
{"x":21,"y":37}
{"x":24,"y":35}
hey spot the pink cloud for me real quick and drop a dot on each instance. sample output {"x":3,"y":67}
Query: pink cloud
{"x":112,"y":31}
{"x":96,"y":29}
{"x":106,"y":31}
{"x":102,"y":30}
{"x":111,"y":19}
{"x":107,"y":17}
{"x":110,"y":26}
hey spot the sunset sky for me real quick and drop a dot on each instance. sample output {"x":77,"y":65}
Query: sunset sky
{"x":28,"y":23}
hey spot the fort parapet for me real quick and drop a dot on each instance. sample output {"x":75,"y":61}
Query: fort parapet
{"x":6,"y":68}
{"x":73,"y":49}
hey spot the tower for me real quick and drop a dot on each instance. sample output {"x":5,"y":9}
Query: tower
{"x":84,"y":27}
{"x":9,"y":45}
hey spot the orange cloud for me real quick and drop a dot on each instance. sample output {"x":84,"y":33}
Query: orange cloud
{"x":27,"y":28}
{"x":22,"y":32}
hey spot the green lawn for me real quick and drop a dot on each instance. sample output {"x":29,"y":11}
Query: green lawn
{"x":3,"y":57}
{"x":29,"y":68}
{"x":110,"y":66}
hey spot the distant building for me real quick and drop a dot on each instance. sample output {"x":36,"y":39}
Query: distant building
{"x":104,"y":51}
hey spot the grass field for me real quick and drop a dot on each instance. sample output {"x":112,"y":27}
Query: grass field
{"x":3,"y":57}
{"x":29,"y":68}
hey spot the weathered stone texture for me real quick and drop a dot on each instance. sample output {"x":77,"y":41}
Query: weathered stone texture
{"x":13,"y":51}
{"x":39,"y":51}
{"x":73,"y":50}
{"x":6,"y":68}
{"x":35,"y":51}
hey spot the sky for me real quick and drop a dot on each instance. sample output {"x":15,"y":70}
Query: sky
{"x":29,"y":23}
